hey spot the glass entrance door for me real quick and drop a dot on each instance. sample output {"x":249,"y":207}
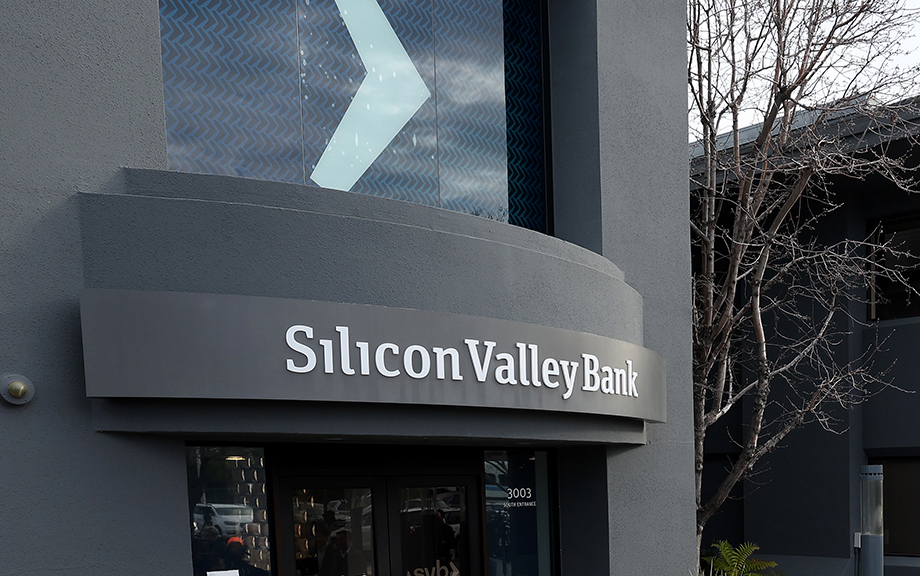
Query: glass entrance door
{"x":382,"y":526}
{"x":438,"y":527}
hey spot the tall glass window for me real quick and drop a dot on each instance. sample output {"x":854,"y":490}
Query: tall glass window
{"x":889,"y":300}
{"x":434,"y":102}
{"x":334,"y":531}
{"x":228,"y":510}
{"x":518,"y":525}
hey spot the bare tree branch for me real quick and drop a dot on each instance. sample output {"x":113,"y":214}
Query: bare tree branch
{"x":785,"y":96}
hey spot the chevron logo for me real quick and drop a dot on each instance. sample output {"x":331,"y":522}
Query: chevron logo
{"x":390,"y":95}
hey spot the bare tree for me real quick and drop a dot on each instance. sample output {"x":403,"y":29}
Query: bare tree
{"x":771,"y":300}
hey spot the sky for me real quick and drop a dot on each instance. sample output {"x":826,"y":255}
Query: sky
{"x":911,"y":59}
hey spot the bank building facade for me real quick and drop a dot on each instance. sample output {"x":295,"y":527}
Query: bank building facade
{"x":345,"y":287}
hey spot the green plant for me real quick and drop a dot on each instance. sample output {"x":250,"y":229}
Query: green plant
{"x":732,"y":561}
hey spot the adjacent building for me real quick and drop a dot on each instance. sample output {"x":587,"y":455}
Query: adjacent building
{"x":802,"y":504}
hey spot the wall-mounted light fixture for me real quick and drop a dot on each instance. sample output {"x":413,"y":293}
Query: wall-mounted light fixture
{"x":16,"y":388}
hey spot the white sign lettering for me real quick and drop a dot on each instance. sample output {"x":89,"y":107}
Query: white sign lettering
{"x":522,"y":366}
{"x":436,"y":570}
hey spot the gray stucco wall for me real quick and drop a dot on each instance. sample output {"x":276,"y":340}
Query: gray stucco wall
{"x":639,"y":133}
{"x":217,"y":234}
{"x":82,"y":98}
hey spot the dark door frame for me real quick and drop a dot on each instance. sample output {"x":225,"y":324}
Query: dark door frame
{"x":383,"y":469}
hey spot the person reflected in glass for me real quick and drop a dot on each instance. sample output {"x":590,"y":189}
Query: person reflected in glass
{"x":208,"y":551}
{"x":325,"y":558}
{"x":236,"y":558}
{"x":352,"y":561}
{"x":445,"y":537}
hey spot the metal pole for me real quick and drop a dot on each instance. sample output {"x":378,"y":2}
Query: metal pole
{"x":872,"y":525}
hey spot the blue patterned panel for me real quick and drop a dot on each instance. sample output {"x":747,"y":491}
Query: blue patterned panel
{"x":412,"y":157}
{"x":471,"y":107}
{"x":524,"y":92}
{"x":230,"y":82}
{"x":259,"y":88}
{"x":332,"y":71}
